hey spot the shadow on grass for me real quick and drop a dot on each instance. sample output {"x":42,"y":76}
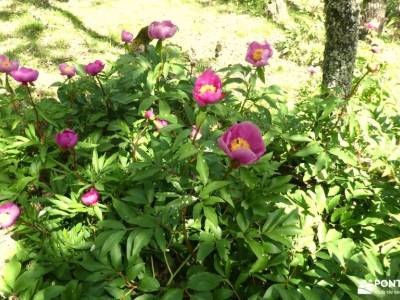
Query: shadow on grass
{"x":78,"y":24}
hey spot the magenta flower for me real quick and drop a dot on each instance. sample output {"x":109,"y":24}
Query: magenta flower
{"x":149,"y":114}
{"x":162,"y":30}
{"x":7,"y":65}
{"x":94,"y":68}
{"x":313,"y":70}
{"x":66,"y":70}
{"x":126,"y":36}
{"x":159,"y":123}
{"x":66,"y":139}
{"x":208,"y":88}
{"x":25,"y":75}
{"x":243,"y":143}
{"x":9,"y":213}
{"x":259,"y":54}
{"x":91,"y":197}
{"x":372,"y":25}
{"x":195,"y":134}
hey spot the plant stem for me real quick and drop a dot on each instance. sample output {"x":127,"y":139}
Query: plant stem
{"x":37,"y":124}
{"x":249,"y":87}
{"x":179,"y":268}
{"x":166,"y":262}
{"x":355,"y":87}
{"x":108,"y":103}
{"x":136,"y":142}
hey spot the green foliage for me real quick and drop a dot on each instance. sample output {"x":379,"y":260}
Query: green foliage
{"x":313,"y":217}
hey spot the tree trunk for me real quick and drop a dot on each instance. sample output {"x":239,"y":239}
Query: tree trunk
{"x":277,"y":10}
{"x":374,"y":10}
{"x":341,"y":25}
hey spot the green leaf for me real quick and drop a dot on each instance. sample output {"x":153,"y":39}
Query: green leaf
{"x":139,"y":239}
{"x":202,"y":168}
{"x":173,"y":294}
{"x":212,"y":186}
{"x":114,"y":238}
{"x":185,"y":151}
{"x":259,"y":265}
{"x":149,"y":284}
{"x":261,"y":74}
{"x":311,"y":149}
{"x":203,"y":281}
{"x":11,"y":272}
{"x":211,"y":215}
{"x":49,"y":292}
{"x":345,"y":156}
{"x":205,"y":250}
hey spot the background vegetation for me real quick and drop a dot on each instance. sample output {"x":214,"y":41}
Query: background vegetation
{"x":316,"y":216}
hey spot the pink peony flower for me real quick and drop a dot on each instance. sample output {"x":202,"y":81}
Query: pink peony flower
{"x":25,"y":75}
{"x":195,"y":134}
{"x":94,"y":68}
{"x":162,"y":30}
{"x":9,"y":213}
{"x":126,"y":36}
{"x":208,"y":88}
{"x":313,"y":70}
{"x":7,"y":65}
{"x":159,"y":123}
{"x":372,"y":25}
{"x":149,"y":114}
{"x":91,"y":197}
{"x":243,"y":143}
{"x":66,"y":70}
{"x":259,"y":54}
{"x":66,"y":139}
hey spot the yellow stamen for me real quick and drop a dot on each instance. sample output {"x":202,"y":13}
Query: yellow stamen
{"x":258,"y":54}
{"x":4,"y":218}
{"x":239,"y":144}
{"x":6,"y":64}
{"x":207,"y":88}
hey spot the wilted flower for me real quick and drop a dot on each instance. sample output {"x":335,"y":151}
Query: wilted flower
{"x":67,"y":139}
{"x":258,"y":54}
{"x":149,"y":114}
{"x":372,"y":25}
{"x":67,"y":70}
{"x":162,"y":30}
{"x":375,"y":48}
{"x":208,"y":88}
{"x":9,"y":213}
{"x":91,"y":197}
{"x":243,"y":143}
{"x":94,"y":68}
{"x":159,"y":123}
{"x":313,"y":70}
{"x":195,"y":134}
{"x":25,"y":75}
{"x":7,"y":65}
{"x":126,"y":36}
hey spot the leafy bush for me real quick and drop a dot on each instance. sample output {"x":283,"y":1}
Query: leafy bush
{"x":316,"y":215}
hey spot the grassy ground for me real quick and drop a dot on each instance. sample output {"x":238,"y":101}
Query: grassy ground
{"x":43,"y":36}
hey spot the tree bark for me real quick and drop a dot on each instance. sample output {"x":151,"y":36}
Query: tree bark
{"x":277,"y":10}
{"x":341,"y":25}
{"x":374,"y":10}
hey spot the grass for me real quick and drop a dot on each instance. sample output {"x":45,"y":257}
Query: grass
{"x":42,"y":34}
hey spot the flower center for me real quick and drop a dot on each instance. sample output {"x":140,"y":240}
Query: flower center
{"x":68,"y":69}
{"x":239,"y":144}
{"x":6,"y":64}
{"x":258,"y":54}
{"x":207,"y":88}
{"x":4,"y":217}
